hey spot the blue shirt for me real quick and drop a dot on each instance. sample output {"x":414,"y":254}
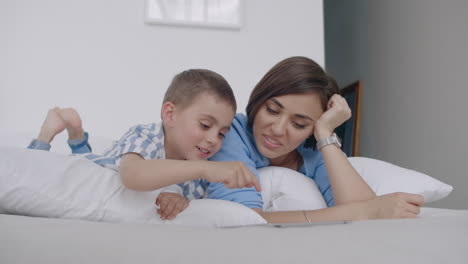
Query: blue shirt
{"x":148,"y":141}
{"x":239,"y":145}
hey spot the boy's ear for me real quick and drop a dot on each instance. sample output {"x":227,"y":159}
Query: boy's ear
{"x":168,"y":112}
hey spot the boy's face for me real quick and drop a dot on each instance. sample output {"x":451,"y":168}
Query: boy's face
{"x":196,"y":132}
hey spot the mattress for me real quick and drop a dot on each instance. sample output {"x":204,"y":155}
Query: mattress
{"x":437,"y":236}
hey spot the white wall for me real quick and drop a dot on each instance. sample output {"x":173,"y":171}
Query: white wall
{"x":100,"y":57}
{"x":413,"y":59}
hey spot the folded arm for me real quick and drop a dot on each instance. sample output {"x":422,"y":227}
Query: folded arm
{"x":347,"y":185}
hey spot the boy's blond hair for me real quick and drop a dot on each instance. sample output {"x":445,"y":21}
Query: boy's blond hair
{"x":189,"y":84}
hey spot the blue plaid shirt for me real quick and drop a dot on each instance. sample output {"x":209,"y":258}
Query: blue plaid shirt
{"x":147,"y":141}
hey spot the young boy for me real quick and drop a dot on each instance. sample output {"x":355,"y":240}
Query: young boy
{"x":197,"y":112}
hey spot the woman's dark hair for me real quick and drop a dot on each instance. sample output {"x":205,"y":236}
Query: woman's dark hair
{"x":294,"y":75}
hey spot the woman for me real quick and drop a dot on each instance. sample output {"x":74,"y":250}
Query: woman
{"x":291,"y":116}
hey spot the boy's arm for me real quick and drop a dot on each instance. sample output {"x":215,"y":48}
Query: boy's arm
{"x":174,"y":188}
{"x":147,"y":175}
{"x":140,"y":157}
{"x":234,"y":148}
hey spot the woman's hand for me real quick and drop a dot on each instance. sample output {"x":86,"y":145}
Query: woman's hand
{"x":234,"y":174}
{"x":336,"y":114}
{"x":393,"y":205}
{"x":170,"y":205}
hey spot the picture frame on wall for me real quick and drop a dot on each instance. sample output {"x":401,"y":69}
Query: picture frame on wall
{"x":349,"y":131}
{"x":223,"y":14}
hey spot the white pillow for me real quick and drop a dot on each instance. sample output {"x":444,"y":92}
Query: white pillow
{"x":41,"y":183}
{"x":384,"y":178}
{"x":287,"y":190}
{"x":47,"y":184}
{"x":284,"y":189}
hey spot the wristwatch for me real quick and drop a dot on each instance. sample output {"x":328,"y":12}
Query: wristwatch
{"x":333,"y":139}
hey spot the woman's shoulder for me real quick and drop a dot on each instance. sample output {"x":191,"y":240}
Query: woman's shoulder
{"x":240,"y":120}
{"x":240,"y":135}
{"x":238,"y":128}
{"x":239,"y":144}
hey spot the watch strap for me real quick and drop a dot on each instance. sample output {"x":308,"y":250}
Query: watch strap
{"x":333,"y":139}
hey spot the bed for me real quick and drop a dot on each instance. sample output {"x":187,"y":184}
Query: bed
{"x":438,"y":237}
{"x":55,"y":229}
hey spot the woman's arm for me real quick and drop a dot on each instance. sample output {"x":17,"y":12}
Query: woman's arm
{"x":395,"y":205}
{"x":336,"y":213}
{"x":347,"y":185}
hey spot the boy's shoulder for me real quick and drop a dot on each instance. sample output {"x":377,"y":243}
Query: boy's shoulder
{"x":149,"y":128}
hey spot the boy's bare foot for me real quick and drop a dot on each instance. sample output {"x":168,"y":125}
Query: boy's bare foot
{"x":73,"y":123}
{"x":53,"y":124}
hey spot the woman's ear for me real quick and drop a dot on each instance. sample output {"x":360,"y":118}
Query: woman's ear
{"x":168,"y":113}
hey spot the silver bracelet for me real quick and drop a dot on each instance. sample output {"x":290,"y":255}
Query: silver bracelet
{"x":305,"y":215}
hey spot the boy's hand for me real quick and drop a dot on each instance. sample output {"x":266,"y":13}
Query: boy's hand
{"x":170,"y":205}
{"x":234,"y":174}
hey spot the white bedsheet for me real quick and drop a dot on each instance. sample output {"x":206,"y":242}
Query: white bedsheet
{"x":439,"y":236}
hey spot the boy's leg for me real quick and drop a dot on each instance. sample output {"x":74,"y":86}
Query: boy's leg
{"x":39,"y":144}
{"x":81,"y":145}
{"x":53,"y":124}
{"x":77,"y":137}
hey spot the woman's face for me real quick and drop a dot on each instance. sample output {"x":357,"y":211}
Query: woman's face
{"x":284,"y":122}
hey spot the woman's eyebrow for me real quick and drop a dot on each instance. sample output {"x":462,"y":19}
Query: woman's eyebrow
{"x":296,"y":115}
{"x":277,"y":102}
